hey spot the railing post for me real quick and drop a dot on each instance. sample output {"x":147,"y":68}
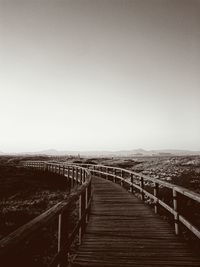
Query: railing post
{"x":72,"y":176}
{"x":115,"y":174}
{"x":81,"y":175}
{"x":100,"y":174}
{"x":83,"y":210}
{"x":61,"y":239}
{"x":106,"y":170}
{"x":59,"y":169}
{"x":88,"y":196}
{"x":68,"y":174}
{"x":45,"y":167}
{"x":176,"y":215}
{"x":131,"y":187}
{"x":82,"y":203}
{"x":77,"y":175}
{"x":63,"y":170}
{"x":86,"y":203}
{"x":75,"y":180}
{"x":121,"y":181}
{"x":79,"y":216}
{"x":84,"y":176}
{"x":155,"y":193}
{"x":142,"y":187}
{"x":59,"y":231}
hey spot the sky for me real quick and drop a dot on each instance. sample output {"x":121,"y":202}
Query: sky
{"x":99,"y":74}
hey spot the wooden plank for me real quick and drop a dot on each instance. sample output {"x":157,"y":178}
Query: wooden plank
{"x":123,"y":231}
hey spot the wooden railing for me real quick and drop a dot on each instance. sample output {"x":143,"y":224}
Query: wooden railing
{"x":136,"y":181}
{"x":79,"y":177}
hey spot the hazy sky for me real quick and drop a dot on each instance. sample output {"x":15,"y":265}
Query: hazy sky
{"x":106,"y":74}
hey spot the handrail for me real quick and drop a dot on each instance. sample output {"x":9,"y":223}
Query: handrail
{"x":180,"y":189}
{"x":80,"y":175}
{"x":137,"y":181}
{"x":77,"y":175}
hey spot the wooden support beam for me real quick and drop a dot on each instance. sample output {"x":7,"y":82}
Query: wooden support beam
{"x":82,"y":207}
{"x":63,"y":171}
{"x":81,"y":175}
{"x":86,"y":204}
{"x":121,"y":181}
{"x":131,"y":187}
{"x":106,"y":170}
{"x":115,"y":174}
{"x":63,"y":234}
{"x":79,"y":217}
{"x":155,"y":193}
{"x":84,"y":176}
{"x":72,"y":176}
{"x":176,"y":215}
{"x":142,"y":187}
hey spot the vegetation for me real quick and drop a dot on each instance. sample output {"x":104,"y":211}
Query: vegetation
{"x":24,"y":194}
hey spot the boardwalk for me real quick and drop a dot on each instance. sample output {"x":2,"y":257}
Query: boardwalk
{"x":122,"y":231}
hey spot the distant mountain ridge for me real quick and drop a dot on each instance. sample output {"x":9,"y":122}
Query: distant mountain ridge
{"x":104,"y":153}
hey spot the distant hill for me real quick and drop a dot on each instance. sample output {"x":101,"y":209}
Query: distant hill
{"x":120,"y":153}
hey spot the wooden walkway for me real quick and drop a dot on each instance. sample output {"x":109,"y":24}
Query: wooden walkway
{"x":123,"y":231}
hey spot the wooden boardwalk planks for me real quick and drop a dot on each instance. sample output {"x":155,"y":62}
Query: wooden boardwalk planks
{"x":122,"y":231}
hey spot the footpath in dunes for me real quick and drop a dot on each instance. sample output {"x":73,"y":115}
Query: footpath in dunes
{"x":123,"y":231}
